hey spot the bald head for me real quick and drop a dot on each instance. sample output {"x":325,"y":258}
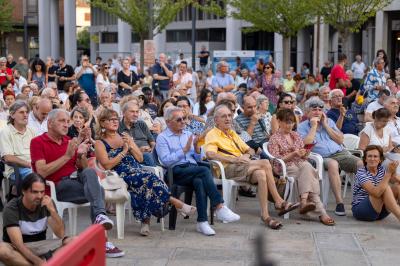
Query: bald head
{"x":249,"y":106}
{"x":42,"y":109}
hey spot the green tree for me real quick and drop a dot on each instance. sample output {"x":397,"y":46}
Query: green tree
{"x":146,"y":17}
{"x":285,"y":17}
{"x":83,"y":38}
{"x":348,"y":16}
{"x":6,"y":23}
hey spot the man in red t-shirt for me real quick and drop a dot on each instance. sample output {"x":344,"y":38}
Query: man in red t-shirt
{"x":5,"y":72}
{"x":62,"y":160}
{"x":339,"y":79}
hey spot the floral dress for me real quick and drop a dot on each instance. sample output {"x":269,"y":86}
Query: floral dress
{"x":149,"y":194}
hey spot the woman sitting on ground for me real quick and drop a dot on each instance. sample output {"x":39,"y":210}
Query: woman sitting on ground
{"x":377,"y":132}
{"x":287,"y":145}
{"x":149,"y":194}
{"x":376,"y":191}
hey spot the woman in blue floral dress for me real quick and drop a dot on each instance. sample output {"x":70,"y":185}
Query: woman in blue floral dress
{"x":149,"y":194}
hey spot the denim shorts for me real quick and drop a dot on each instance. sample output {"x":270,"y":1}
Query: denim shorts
{"x":364,"y":211}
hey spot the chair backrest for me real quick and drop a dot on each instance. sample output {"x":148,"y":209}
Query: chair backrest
{"x":351,"y":141}
{"x":265,"y":149}
{"x":88,"y":249}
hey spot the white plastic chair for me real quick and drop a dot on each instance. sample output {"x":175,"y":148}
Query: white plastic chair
{"x":290,"y":194}
{"x":350,"y":142}
{"x":62,"y":205}
{"x":323,"y":177}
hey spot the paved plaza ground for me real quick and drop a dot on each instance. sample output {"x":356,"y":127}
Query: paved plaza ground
{"x":299,"y":242}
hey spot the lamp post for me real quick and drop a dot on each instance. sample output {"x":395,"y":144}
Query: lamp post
{"x":193,"y":38}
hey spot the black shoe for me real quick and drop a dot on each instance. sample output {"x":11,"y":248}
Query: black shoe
{"x":340,"y":211}
{"x":247,"y":193}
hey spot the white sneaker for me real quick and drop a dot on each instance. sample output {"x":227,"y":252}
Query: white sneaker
{"x":225,"y":215}
{"x":205,"y":228}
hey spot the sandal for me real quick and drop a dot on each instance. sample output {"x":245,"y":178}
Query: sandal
{"x":308,"y":207}
{"x":327,"y":221}
{"x":271,"y":223}
{"x":287,"y":207}
{"x":187,"y":210}
{"x":145,"y":229}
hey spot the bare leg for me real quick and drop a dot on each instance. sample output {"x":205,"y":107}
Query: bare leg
{"x":266,"y":166}
{"x":388,"y":200}
{"x":9,"y":256}
{"x":259,"y":177}
{"x":334,"y":179}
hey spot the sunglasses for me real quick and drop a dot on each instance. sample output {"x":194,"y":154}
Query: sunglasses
{"x":288,"y":102}
{"x":106,"y":67}
{"x":180,"y":119}
{"x":268,"y":68}
{"x":314,"y":106}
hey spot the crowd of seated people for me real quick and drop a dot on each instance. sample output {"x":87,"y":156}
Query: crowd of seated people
{"x":53,"y":118}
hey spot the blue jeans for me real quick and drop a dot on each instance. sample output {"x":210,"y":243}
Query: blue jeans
{"x":203,"y":183}
{"x":148,"y":159}
{"x":23,"y":172}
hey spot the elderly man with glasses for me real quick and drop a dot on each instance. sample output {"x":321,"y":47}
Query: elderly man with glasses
{"x":177,"y":148}
{"x":322,"y":132}
{"x":222,"y":81}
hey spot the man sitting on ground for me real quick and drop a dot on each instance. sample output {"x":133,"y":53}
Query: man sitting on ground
{"x":320,"y":130}
{"x":25,"y":222}
{"x":62,"y":160}
{"x":138,"y":130}
{"x":224,"y":145}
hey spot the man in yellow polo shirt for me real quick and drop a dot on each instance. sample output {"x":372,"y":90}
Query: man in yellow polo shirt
{"x":224,"y":145}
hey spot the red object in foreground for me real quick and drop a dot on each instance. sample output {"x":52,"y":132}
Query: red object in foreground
{"x":87,"y":249}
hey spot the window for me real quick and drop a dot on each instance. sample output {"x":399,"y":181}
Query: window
{"x":109,"y":37}
{"x":217,"y":35}
{"x":87,"y":16}
{"x":203,"y":35}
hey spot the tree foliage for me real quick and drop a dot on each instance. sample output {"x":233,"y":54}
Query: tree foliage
{"x":83,"y":38}
{"x":6,"y":22}
{"x":285,"y":17}
{"x":348,"y":15}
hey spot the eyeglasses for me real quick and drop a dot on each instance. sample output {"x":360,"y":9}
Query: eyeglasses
{"x":182,"y":105}
{"x":113,"y":119}
{"x":180,"y":119}
{"x":106,"y":67}
{"x":288,"y":102}
{"x":268,"y":67}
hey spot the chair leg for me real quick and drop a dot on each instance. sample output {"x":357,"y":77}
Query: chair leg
{"x":162,"y":224}
{"x":172,"y":218}
{"x":120,"y":213}
{"x":73,"y":216}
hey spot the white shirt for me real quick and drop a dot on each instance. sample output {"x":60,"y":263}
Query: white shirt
{"x":184,"y":79}
{"x":394,"y":129}
{"x":358,"y":69}
{"x":102,"y":83}
{"x":21,"y":81}
{"x":374,"y":139}
{"x":196,"y":109}
{"x":133,"y":68}
{"x":40,"y":128}
{"x":373,"y":106}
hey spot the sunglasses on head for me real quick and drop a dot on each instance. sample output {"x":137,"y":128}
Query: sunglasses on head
{"x":288,"y":102}
{"x":316,"y":105}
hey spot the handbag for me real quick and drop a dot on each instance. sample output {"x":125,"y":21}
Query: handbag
{"x":115,"y":188}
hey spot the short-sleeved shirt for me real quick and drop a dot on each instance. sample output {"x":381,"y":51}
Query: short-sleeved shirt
{"x":374,"y":139}
{"x":227,"y":145}
{"x":129,"y":80}
{"x":204,"y":60}
{"x":39,"y":127}
{"x":222,"y":80}
{"x":259,"y":132}
{"x":44,"y":148}
{"x":373,"y":106}
{"x":185,"y":78}
{"x":337,"y":73}
{"x":324,"y":144}
{"x":139,"y":132}
{"x":33,"y":225}
{"x":4,"y":74}
{"x":350,"y":120}
{"x":13,"y":142}
{"x":157,"y":69}
{"x":67,"y":71}
{"x":358,"y":69}
{"x":363,"y":176}
{"x":52,"y":70}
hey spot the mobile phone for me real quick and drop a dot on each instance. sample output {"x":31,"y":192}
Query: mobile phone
{"x":309,"y":146}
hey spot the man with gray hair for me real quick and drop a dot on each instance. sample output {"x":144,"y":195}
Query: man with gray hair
{"x":62,"y":160}
{"x":162,"y":74}
{"x":351,"y":92}
{"x":177,"y":148}
{"x":322,"y":132}
{"x":222,"y":81}
{"x":38,"y":116}
{"x":138,"y":130}
{"x":375,"y":80}
{"x":15,"y":139}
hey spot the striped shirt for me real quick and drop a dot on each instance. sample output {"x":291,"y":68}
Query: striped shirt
{"x":362,"y":177}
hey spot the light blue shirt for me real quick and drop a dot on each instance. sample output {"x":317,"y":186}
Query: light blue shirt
{"x":373,"y":79}
{"x":324,"y":144}
{"x":169,"y":147}
{"x":222,"y":80}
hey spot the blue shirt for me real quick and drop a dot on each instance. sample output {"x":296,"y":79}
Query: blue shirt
{"x":324,"y":144}
{"x":350,"y":120}
{"x":362,"y":177}
{"x":169,"y":147}
{"x":222,"y":80}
